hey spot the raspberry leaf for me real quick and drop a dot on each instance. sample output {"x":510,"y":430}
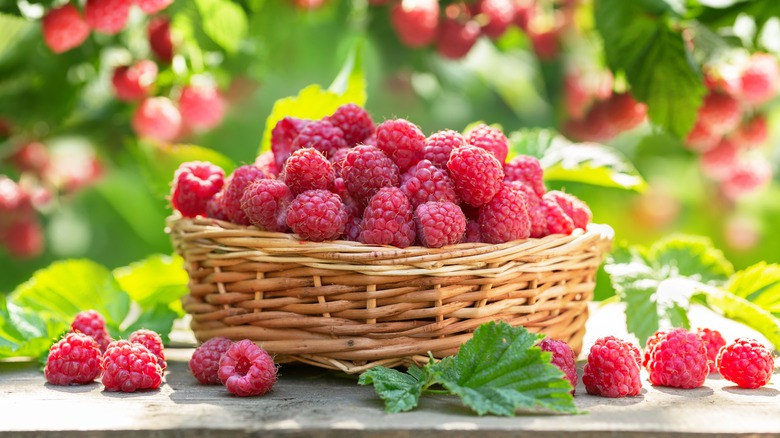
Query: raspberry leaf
{"x":759,"y":284}
{"x":158,"y":279}
{"x":224,"y":22}
{"x":400,"y":391}
{"x":746,"y":312}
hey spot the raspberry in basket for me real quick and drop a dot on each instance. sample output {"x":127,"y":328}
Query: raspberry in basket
{"x":425,"y":182}
{"x":214,"y":207}
{"x":439,"y":145}
{"x":505,"y":217}
{"x":267,"y":163}
{"x":612,"y":369}
{"x":92,"y":324}
{"x":128,"y":367}
{"x":307,"y":169}
{"x":746,"y":362}
{"x":473,"y":233}
{"x":528,"y":170}
{"x":354,"y":122}
{"x":152,"y":341}
{"x":556,"y":220}
{"x":477,"y":173}
{"x":320,"y":135}
{"x":578,"y":211}
{"x":402,"y":141}
{"x":282,"y":137}
{"x":194,"y":183}
{"x":387,"y":220}
{"x":365,"y":170}
{"x":246,"y":369}
{"x":73,"y":360}
{"x":234,"y":190}
{"x":679,"y":360}
{"x":265,"y":204}
{"x":713,"y":340}
{"x":439,"y":223}
{"x":535,"y":214}
{"x":317,"y":215}
{"x":563,"y":358}
{"x":490,"y":139}
{"x":204,"y":363}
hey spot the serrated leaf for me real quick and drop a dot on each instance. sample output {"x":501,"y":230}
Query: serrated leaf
{"x":760,"y":10}
{"x":224,"y":22}
{"x":692,"y":257}
{"x":742,"y":310}
{"x":156,"y":280}
{"x":759,"y":284}
{"x":158,"y":318}
{"x":26,"y":333}
{"x":400,"y":391}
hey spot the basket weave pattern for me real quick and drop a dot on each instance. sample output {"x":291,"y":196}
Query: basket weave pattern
{"x":350,"y":306}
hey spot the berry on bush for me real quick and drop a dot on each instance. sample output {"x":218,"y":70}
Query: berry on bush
{"x":456,"y":37}
{"x":92,"y":324}
{"x":720,"y":113}
{"x":129,"y":366}
{"x":612,"y":369}
{"x":477,"y":173}
{"x":490,"y":139}
{"x":748,"y":175}
{"x":153,"y":6}
{"x":107,"y":16}
{"x":247,"y":370}
{"x":160,"y":40}
{"x":700,"y":139}
{"x":746,"y":362}
{"x":73,"y":360}
{"x":23,"y":238}
{"x":64,"y":28}
{"x":194,"y":184}
{"x":415,"y":21}
{"x":317,"y":215}
{"x":202,"y":106}
{"x":759,"y":81}
{"x":265,"y":203}
{"x":751,"y":133}
{"x":720,"y":162}
{"x":134,"y":82}
{"x":204,"y":363}
{"x":157,"y":118}
{"x":499,"y":14}
{"x":679,"y":360}
{"x":388,"y":219}
{"x":563,"y":358}
{"x":439,"y":223}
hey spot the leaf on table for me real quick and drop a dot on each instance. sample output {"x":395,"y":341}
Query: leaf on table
{"x":28,"y":333}
{"x":158,"y":279}
{"x":400,"y":391}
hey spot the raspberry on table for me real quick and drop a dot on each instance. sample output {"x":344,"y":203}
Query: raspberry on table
{"x":215,"y":209}
{"x":153,"y":6}
{"x":477,"y":173}
{"x":425,"y":182}
{"x":282,"y":137}
{"x":612,"y":369}
{"x":500,"y":15}
{"x":307,"y":169}
{"x":456,"y":37}
{"x":265,"y":203}
{"x":160,"y":41}
{"x":73,"y":360}
{"x":366,"y":169}
{"x":563,"y":358}
{"x":505,"y":217}
{"x":679,"y":360}
{"x":92,"y":324}
{"x":64,"y":28}
{"x":651,"y":341}
{"x":194,"y":184}
{"x":713,"y":341}
{"x":234,"y":190}
{"x":134,"y":82}
{"x":746,"y":362}
{"x":204,"y":363}
{"x":439,"y":145}
{"x":157,"y":118}
{"x":527,"y":170}
{"x":415,"y":22}
{"x":107,"y":16}
{"x":578,"y":211}
{"x":153,"y":342}
{"x":317,"y":215}
{"x":402,"y":141}
{"x":355,"y":123}
{"x":267,"y":163}
{"x":202,"y":106}
{"x":439,"y":223}
{"x":720,"y":113}
{"x":490,"y":139}
{"x":247,"y":370}
{"x":556,"y":220}
{"x":128,"y":367}
{"x":388,"y":219}
{"x":320,"y":135}
{"x":760,"y":79}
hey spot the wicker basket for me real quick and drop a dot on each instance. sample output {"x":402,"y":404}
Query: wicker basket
{"x":349,"y":306}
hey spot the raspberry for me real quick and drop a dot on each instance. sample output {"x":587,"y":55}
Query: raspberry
{"x":760,"y":79}
{"x":352,"y":228}
{"x":64,"y":28}
{"x":202,"y":106}
{"x":415,"y":21}
{"x":204,"y":363}
{"x":563,"y":358}
{"x":234,"y":190}
{"x":365,"y":170}
{"x":387,"y":220}
{"x":713,"y":341}
{"x":748,"y":175}
{"x":214,"y":207}
{"x":337,"y":160}
{"x":625,"y":113}
{"x":402,"y":141}
{"x":152,"y":341}
{"x":556,"y":220}
{"x":194,"y":184}
{"x":456,"y":38}
{"x":153,"y":6}
{"x":317,"y":215}
{"x":92,"y":324}
{"x":439,"y":223}
{"x":679,"y":360}
{"x":12,"y":197}
{"x":720,"y":162}
{"x":700,"y":139}
{"x":267,"y":163}
{"x":31,"y":157}
{"x":265,"y":203}
{"x":724,"y":79}
{"x":524,"y":13}
{"x":473,"y":233}
{"x":535,"y":213}
{"x":577,"y":97}
{"x":354,"y":122}
{"x":499,"y":13}
{"x":426,"y":182}
{"x":578,"y":211}
{"x":505,"y":217}
{"x":107,"y":16}
{"x":73,"y":360}
{"x":545,"y":43}
{"x":282,"y":137}
{"x":157,"y":118}
{"x":746,"y":362}
{"x":477,"y":173}
{"x":612,"y":369}
{"x":751,"y":133}
{"x":439,"y":146}
{"x":720,"y":113}
{"x":307,"y":169}
{"x":23,"y":238}
{"x":490,"y":139}
{"x":160,"y":40}
{"x":322,"y":136}
{"x":596,"y":126}
{"x":527,"y":170}
{"x":246,"y":369}
{"x":134,"y":82}
{"x":651,"y":341}
{"x":128,"y":367}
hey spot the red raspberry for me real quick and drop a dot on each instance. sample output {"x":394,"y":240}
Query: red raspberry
{"x":282,"y":137}
{"x":535,"y":213}
{"x":556,"y":220}
{"x":473,"y":233}
{"x":107,"y":16}
{"x":265,"y":203}
{"x":247,"y":370}
{"x":194,"y":183}
{"x":545,"y":42}
{"x":157,"y":118}
{"x":415,"y":21}
{"x":402,"y":141}
{"x":456,"y":37}
{"x":477,"y":173}
{"x":307,"y":169}
{"x":651,"y":341}
{"x":337,"y":160}
{"x":720,"y":162}
{"x":92,"y":324}
{"x":23,"y":238}
{"x":31,"y":157}
{"x":713,"y":341}
{"x":527,"y":170}
{"x":426,"y":182}
{"x":322,"y":136}
{"x":490,"y":139}
{"x":354,"y":122}
{"x":352,"y":228}
{"x":612,"y":369}
{"x":720,"y":113}
{"x":234,"y":190}
{"x":596,"y":126}
{"x":760,"y":79}
{"x":505,"y":217}
{"x":153,"y":342}
{"x":746,"y":362}
{"x":202,"y":106}
{"x":439,"y":146}
{"x":64,"y":28}
{"x":267,"y":163}
{"x":439,"y":223}
{"x":524,"y":13}
{"x":160,"y":40}
{"x":700,"y":139}
{"x":749,"y":175}
{"x":128,"y":367}
{"x":724,"y":79}
{"x":365,"y":170}
{"x":204,"y":363}
{"x":73,"y":360}
{"x":317,"y":215}
{"x":153,"y":6}
{"x":625,"y":113}
{"x":387,"y":220}
{"x":215,"y":209}
{"x":499,"y":13}
{"x":134,"y":82}
{"x":578,"y":211}
{"x":679,"y":360}
{"x":12,"y":197}
{"x":563,"y":358}
{"x":751,"y":133}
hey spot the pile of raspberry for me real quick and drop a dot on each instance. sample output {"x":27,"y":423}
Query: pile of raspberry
{"x":343,"y":177}
{"x":244,"y":368}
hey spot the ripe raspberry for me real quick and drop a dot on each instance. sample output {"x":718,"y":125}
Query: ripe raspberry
{"x":12,"y":197}
{"x":751,"y":133}
{"x":202,"y":107}
{"x":612,"y":369}
{"x":337,"y":160}
{"x":563,"y":358}
{"x":720,"y":162}
{"x":679,"y":360}
{"x":438,"y":147}
{"x":456,"y":38}
{"x":415,"y":21}
{"x":473,"y":233}
{"x":31,"y":157}
{"x":545,"y":42}
{"x":246,"y":369}
{"x":204,"y":363}
{"x":578,"y":211}
{"x":505,"y":217}
{"x":746,"y":362}
{"x":596,"y":126}
{"x":64,"y":28}
{"x":387,"y":220}
{"x":713,"y":341}
{"x":524,"y":13}
{"x":760,"y":79}
{"x":265,"y":203}
{"x":625,"y":113}
{"x":153,"y":342}
{"x":157,"y":118}
{"x":214,"y":207}
{"x":536,"y":214}
{"x":134,"y":82}
{"x":307,"y":169}
{"x":352,"y":228}
{"x":650,"y":344}
{"x":73,"y":360}
{"x":577,"y":97}
{"x":23,"y":238}
{"x":194,"y":183}
{"x":282,"y":137}
{"x":128,"y":367}
{"x":402,"y":141}
{"x":477,"y":173}
{"x":267,"y":163}
{"x":92,"y":324}
{"x":748,"y":175}
{"x":365,"y":170}
{"x":490,"y":139}
{"x":723,"y":78}
{"x":354,"y":122}
{"x":556,"y":220}
{"x":160,"y":40}
{"x":322,"y":136}
{"x":153,"y":6}
{"x":700,"y":139}
{"x":527,"y":170}
{"x":317,"y":215}
{"x":234,"y":190}
{"x":426,"y":182}
{"x":499,"y":13}
{"x":720,"y":113}
{"x":439,"y":223}
{"x":107,"y":16}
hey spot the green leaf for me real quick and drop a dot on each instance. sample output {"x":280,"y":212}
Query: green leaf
{"x":760,"y":10}
{"x":759,"y":284}
{"x":12,"y":27}
{"x":158,"y":318}
{"x":750,"y":314}
{"x":224,"y":22}
{"x":692,"y":257}
{"x":156,"y":280}
{"x":400,"y":391}
{"x":27,"y":333}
